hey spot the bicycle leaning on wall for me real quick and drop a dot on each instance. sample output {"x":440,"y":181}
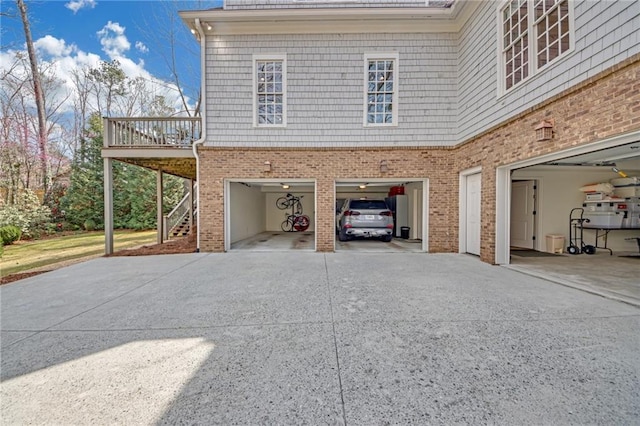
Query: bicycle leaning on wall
{"x":295,"y":221}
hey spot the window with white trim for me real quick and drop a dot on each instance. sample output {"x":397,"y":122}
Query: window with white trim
{"x":534,"y":34}
{"x":381,"y":90}
{"x":270,"y":90}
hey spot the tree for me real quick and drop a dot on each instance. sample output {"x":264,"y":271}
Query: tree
{"x":134,"y":189}
{"x":176,"y":46}
{"x":39,"y":97}
{"x":20,"y":151}
{"x":109,"y":83}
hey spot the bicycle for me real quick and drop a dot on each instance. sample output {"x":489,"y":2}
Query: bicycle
{"x":290,"y":202}
{"x":295,"y":223}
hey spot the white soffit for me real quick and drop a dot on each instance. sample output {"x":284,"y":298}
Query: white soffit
{"x":332,"y":20}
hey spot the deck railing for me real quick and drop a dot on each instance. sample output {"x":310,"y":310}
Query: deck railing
{"x":172,"y":132}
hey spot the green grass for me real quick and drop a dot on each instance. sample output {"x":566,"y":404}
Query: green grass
{"x":26,"y":255}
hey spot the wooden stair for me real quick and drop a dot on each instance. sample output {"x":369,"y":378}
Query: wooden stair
{"x":182,"y":229}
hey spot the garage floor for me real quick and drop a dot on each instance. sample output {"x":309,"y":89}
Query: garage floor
{"x":397,"y":245}
{"x":279,"y":241}
{"x":616,"y":277}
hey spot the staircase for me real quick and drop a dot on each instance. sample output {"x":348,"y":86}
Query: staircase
{"x":178,"y":222}
{"x":182,"y":229}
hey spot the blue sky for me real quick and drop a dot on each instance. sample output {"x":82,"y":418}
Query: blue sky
{"x":73,"y":33}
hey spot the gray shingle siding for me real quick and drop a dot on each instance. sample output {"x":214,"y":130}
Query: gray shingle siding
{"x":325,"y":90}
{"x":448,"y":84}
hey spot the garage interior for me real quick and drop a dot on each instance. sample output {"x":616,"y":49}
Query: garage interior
{"x":255,"y":220}
{"x":551,"y":189}
{"x":407,"y":202}
{"x":255,"y":217}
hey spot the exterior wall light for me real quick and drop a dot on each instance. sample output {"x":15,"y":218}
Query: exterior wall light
{"x":384,"y":168}
{"x":266,"y":167}
{"x":544,"y":130}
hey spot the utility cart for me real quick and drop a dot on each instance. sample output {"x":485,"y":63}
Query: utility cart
{"x":576,"y":233}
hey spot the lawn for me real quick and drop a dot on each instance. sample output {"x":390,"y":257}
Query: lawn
{"x":26,"y":255}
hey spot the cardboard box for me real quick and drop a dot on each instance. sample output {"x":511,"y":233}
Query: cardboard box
{"x":594,"y":196}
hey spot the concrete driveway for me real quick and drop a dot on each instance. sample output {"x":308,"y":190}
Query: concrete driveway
{"x":312,"y":338}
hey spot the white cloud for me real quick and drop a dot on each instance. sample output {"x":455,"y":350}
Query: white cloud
{"x":64,"y":60}
{"x":51,"y":46}
{"x":141,"y":47}
{"x":76,"y":5}
{"x":114,"y":42}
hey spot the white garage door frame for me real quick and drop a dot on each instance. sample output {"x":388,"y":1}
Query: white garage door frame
{"x":462,"y":207}
{"x":425,"y":201}
{"x":227,"y":204}
{"x":503,"y":186}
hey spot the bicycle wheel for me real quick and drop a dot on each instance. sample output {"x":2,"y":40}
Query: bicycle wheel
{"x":282,"y":203}
{"x":287,"y":224}
{"x":301,"y":223}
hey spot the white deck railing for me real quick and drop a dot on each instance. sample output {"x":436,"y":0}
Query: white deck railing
{"x":172,"y":132}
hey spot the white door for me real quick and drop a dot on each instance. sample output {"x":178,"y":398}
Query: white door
{"x":523,"y":200}
{"x":416,"y":223}
{"x":474,"y":185}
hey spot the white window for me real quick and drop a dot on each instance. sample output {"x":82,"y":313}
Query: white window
{"x":552,"y":30}
{"x":381,"y":89}
{"x":269,"y":87}
{"x":534,"y":34}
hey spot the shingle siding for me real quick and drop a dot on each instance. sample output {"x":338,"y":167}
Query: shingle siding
{"x":448,"y":82}
{"x":605,"y":34}
{"x":325,"y":90}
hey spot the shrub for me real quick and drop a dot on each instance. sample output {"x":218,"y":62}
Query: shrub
{"x":1,"y":249}
{"x":27,"y":214}
{"x":9,"y":234}
{"x":89,"y":225}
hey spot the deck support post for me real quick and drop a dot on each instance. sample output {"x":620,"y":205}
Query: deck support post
{"x":108,"y":206}
{"x":160,"y":220}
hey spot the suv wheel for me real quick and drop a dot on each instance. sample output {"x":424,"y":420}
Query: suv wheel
{"x":342,"y":235}
{"x":387,"y":238}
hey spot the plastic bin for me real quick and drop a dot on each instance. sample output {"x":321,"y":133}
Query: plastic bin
{"x":404,"y":232}
{"x":555,"y":243}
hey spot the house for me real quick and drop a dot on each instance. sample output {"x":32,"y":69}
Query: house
{"x":480,"y":111}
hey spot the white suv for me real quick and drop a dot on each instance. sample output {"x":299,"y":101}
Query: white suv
{"x":364,"y":218}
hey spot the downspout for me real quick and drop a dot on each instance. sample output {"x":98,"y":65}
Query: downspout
{"x":203,"y":132}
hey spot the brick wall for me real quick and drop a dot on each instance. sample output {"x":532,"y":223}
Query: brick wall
{"x":325,"y":166}
{"x":603,"y":106}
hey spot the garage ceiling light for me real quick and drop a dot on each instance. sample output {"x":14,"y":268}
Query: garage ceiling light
{"x":363,"y":186}
{"x":284,"y":186}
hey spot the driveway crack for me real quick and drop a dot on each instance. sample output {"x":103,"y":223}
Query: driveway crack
{"x":335,"y":340}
